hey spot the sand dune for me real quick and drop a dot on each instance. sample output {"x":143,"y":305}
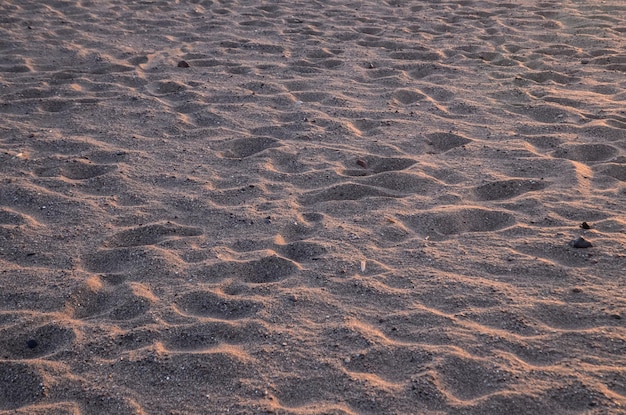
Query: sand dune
{"x":312,"y":207}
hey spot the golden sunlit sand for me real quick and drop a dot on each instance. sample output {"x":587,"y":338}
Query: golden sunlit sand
{"x":312,"y":207}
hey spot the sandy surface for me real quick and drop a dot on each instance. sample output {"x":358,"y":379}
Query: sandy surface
{"x":312,"y":207}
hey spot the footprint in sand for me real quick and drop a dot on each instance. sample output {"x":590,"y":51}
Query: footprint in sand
{"x":96,"y":297}
{"x":506,"y":189}
{"x":348,"y":191}
{"x":249,"y":146}
{"x":77,"y":170}
{"x":204,"y":336}
{"x":443,"y":142}
{"x":150,"y":235}
{"x":447,"y":222}
{"x":21,"y":384}
{"x":486,"y":377}
{"x":370,"y":164}
{"x":209,"y":304}
{"x":265,"y":270}
{"x":19,"y":342}
{"x":587,"y":152}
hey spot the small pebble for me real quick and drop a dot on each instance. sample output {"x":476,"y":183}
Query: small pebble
{"x":362,"y":163}
{"x":32,"y":343}
{"x":580,"y":243}
{"x":585,"y":225}
{"x":183,"y":64}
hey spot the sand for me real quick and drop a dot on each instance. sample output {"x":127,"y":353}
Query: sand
{"x":312,"y":207}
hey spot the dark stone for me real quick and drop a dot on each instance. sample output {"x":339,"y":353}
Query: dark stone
{"x":183,"y":64}
{"x":580,"y":242}
{"x":32,"y":343}
{"x":585,"y":225}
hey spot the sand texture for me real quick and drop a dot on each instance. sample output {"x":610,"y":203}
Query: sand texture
{"x":312,"y":207}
